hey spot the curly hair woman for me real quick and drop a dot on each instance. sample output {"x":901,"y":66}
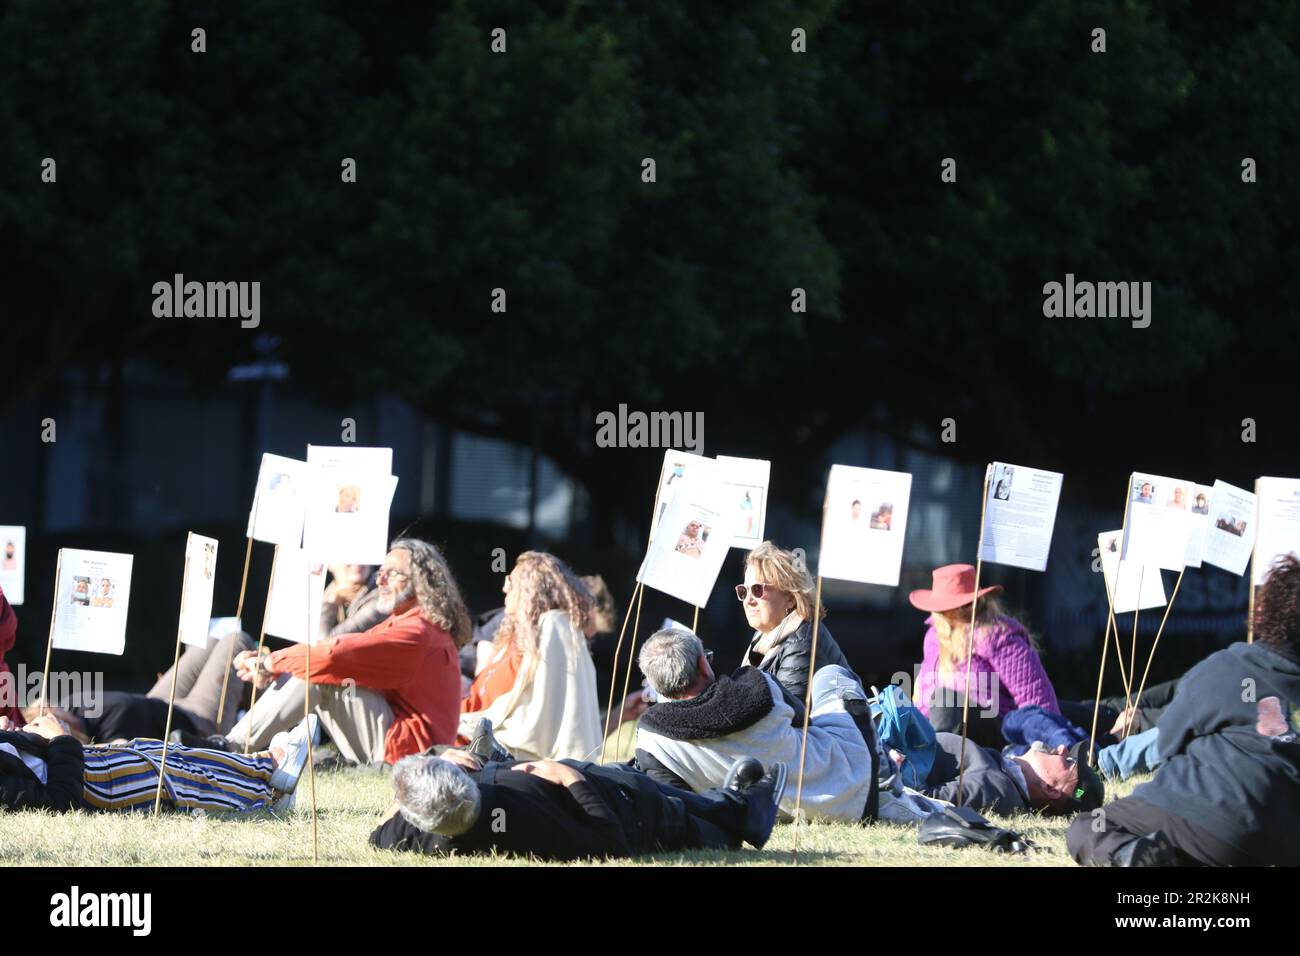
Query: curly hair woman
{"x":539,"y":686}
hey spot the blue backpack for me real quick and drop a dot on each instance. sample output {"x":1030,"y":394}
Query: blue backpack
{"x":900,"y":726}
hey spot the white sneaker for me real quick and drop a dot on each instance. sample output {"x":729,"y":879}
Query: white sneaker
{"x":294,"y":747}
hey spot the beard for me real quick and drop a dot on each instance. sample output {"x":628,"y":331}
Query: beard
{"x":387,"y":604}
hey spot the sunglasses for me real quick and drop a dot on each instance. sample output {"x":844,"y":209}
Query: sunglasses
{"x":755,"y":589}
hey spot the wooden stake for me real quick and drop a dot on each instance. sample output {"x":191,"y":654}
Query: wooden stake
{"x":239,"y":616}
{"x":306,"y":714}
{"x":695,"y":623}
{"x":261,"y":640}
{"x":49,"y":646}
{"x":970,"y":634}
{"x":1250,"y":594}
{"x":171,"y":697}
{"x":637,"y":592}
{"x":1132,"y":664}
{"x":1110,"y":612}
{"x":1160,"y":630}
{"x":613,"y":677}
{"x":807,"y":707}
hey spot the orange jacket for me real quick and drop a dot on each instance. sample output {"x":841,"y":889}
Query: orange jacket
{"x":414,"y":664}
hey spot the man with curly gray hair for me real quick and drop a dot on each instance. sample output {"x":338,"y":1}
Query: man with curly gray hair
{"x":383,"y":693}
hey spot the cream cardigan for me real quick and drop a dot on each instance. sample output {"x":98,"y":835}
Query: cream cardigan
{"x":555,"y":714}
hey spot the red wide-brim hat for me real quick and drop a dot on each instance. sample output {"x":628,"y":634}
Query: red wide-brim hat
{"x":953,"y":587}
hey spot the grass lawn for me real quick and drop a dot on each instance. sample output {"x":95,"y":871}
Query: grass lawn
{"x":349,"y":801}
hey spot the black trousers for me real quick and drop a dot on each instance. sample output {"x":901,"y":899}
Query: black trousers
{"x":1096,"y":841}
{"x":1155,"y":698}
{"x":660,"y":818}
{"x":985,"y":731}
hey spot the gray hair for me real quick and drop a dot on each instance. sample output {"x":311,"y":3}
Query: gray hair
{"x":435,"y":796}
{"x":670,"y":661}
{"x":436,"y":591}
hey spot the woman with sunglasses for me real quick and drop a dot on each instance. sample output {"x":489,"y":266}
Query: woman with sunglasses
{"x":779,"y":601}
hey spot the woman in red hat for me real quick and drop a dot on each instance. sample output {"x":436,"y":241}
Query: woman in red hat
{"x":1005,"y":671}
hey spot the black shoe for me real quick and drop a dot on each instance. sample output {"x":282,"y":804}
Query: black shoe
{"x":764,"y":798}
{"x":744,"y":773}
{"x":199,"y":742}
{"x":486,"y":747}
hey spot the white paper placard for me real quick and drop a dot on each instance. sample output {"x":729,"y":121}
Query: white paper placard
{"x":1278,"y":528}
{"x":196,"y":595}
{"x":219,"y":627}
{"x":279,"y":502}
{"x":92,"y":594}
{"x":864,"y":525}
{"x":1132,"y":577}
{"x":693,"y":537}
{"x":1019,"y":516}
{"x":297,"y":593}
{"x":677,"y":467}
{"x":1230,"y":531}
{"x":1159,"y":521}
{"x":1200,"y":521}
{"x":13,"y":562}
{"x":747,"y":481}
{"x":347,"y":515}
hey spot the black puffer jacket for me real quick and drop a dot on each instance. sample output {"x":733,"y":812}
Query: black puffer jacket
{"x":788,"y":661}
{"x":21,"y":789}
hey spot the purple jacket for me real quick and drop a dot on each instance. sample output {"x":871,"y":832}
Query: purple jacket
{"x":1003,"y":664}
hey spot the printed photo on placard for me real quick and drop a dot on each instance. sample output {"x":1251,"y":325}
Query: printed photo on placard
{"x":1230,"y":528}
{"x":279,"y":502}
{"x":13,"y":562}
{"x":1019,"y":516}
{"x":91,"y":599}
{"x":1200,"y":521}
{"x":747,"y":479}
{"x":1278,"y":531}
{"x":196,"y":595}
{"x":677,"y":467}
{"x":864,"y":525}
{"x":1159,"y":521}
{"x":687,"y":552}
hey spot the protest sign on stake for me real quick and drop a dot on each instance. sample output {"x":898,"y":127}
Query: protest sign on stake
{"x":677,"y":467}
{"x":1159,"y":521}
{"x":864,"y":518}
{"x":1021,"y":511}
{"x":694,"y":536}
{"x":1278,"y":528}
{"x":13,"y":562}
{"x":92,"y":590}
{"x":1109,"y":587}
{"x":192,"y":626}
{"x":1230,"y":528}
{"x":1200,"y":521}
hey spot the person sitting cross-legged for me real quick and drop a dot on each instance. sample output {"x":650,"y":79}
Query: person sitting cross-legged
{"x":703,"y":723}
{"x":568,"y":809}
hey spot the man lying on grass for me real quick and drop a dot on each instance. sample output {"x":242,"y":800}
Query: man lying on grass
{"x":569,"y":809}
{"x":704,"y":723}
{"x":43,"y":767}
{"x":1052,"y":780}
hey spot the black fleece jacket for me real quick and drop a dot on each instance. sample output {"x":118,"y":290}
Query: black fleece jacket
{"x":21,"y":789}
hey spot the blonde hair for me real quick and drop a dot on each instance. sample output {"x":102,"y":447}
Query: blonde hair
{"x":775,"y":567}
{"x":545,"y":583}
{"x":604,"y":611}
{"x":952,"y":638}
